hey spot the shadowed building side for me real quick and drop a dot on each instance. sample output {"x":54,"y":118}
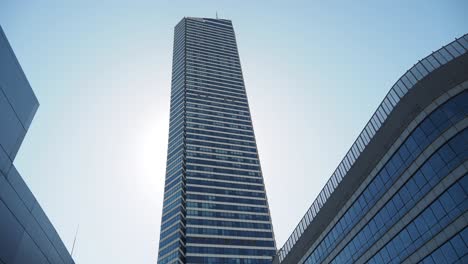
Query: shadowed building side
{"x":26,"y":234}
{"x":401,"y":193}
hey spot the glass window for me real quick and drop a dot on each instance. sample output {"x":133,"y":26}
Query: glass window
{"x":381,"y":114}
{"x":317,"y":208}
{"x":349,"y":159}
{"x":464,"y":184}
{"x":360,"y":144}
{"x":323,"y":199}
{"x":407,"y":81}
{"x":387,"y":105}
{"x":413,"y":232}
{"x":458,"y":195}
{"x":338,"y":175}
{"x":310,"y":216}
{"x":366,"y":136}
{"x":330,"y":187}
{"x":353,"y":154}
{"x":463,"y":42}
{"x":421,"y":69}
{"x":427,"y":127}
{"x":375,"y":123}
{"x":440,"y":58}
{"x":447,"y":202}
{"x":334,"y":180}
{"x":288,"y":245}
{"x":438,"y":256}
{"x":446,"y":54}
{"x":356,"y":150}
{"x":455,"y":53}
{"x":345,"y":165}
{"x":459,"y":246}
{"x":429,"y":218}
{"x":403,"y":87}
{"x":370,"y":129}
{"x":449,"y":253}
{"x":456,"y":45}
{"x":326,"y":191}
{"x":300,"y":228}
{"x":434,"y":61}
{"x":416,"y":73}
{"x":464,"y":235}
{"x":341,"y":171}
{"x":420,"y":225}
{"x":427,"y":65}
{"x":398,"y":90}
{"x":394,"y":97}
{"x":313,"y":210}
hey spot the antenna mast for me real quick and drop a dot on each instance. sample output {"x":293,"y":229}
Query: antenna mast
{"x":74,"y":240}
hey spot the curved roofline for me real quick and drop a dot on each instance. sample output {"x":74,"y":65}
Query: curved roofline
{"x":401,"y":87}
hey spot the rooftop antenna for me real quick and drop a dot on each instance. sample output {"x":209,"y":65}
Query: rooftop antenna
{"x":216,"y":14}
{"x":74,"y":240}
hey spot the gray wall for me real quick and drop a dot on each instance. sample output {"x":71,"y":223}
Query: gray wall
{"x":26,"y":234}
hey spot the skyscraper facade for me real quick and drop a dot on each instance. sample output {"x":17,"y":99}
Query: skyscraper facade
{"x":26,"y":234}
{"x":400,"y":195}
{"x":215,"y":207}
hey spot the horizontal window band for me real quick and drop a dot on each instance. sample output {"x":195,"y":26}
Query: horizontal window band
{"x":228,"y":196}
{"x":223,"y":174}
{"x":230,"y":224}
{"x":225,"y":188}
{"x":227,"y":246}
{"x":230,"y":237}
{"x":225,"y":203}
{"x":220,"y":129}
{"x":227,"y":219}
{"x":248,"y":160}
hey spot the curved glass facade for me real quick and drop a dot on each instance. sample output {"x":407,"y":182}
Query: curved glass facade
{"x":418,"y":72}
{"x":444,"y":210}
{"x":453,"y":251}
{"x":446,"y":158}
{"x":417,"y":193}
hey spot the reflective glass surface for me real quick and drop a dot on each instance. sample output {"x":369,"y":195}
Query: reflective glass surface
{"x":402,"y":86}
{"x":215,"y":207}
{"x":429,"y":129}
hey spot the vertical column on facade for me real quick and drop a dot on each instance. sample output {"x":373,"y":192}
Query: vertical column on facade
{"x":172,"y":237}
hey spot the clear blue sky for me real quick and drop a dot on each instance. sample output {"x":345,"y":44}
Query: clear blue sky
{"x":95,"y":154}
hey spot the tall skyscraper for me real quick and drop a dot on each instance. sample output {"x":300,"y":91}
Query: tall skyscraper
{"x":215,"y":207}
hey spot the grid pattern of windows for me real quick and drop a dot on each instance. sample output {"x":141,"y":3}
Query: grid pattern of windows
{"x":426,"y":178}
{"x":453,"y":251}
{"x":448,"y":206}
{"x":419,"y":71}
{"x":215,"y":207}
{"x":445,"y":159}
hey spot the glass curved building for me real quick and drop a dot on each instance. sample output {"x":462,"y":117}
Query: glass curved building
{"x":215,"y":208}
{"x":400,"y":195}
